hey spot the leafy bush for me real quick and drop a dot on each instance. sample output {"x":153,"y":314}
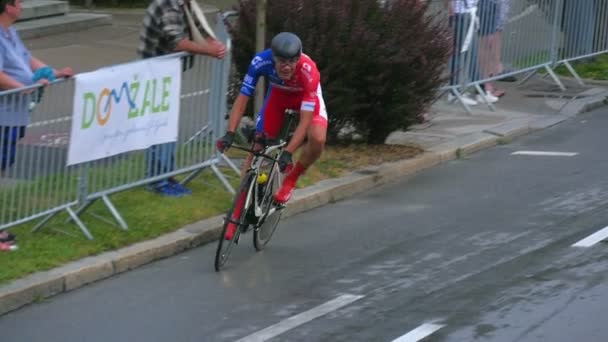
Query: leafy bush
{"x":380,"y":63}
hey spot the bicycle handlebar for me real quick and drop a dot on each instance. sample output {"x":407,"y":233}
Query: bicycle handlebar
{"x":262,"y":153}
{"x":269,"y":144}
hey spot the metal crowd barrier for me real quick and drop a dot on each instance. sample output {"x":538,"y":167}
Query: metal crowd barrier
{"x":584,"y":28}
{"x":494,"y":39}
{"x":40,"y":184}
{"x":35,"y":181}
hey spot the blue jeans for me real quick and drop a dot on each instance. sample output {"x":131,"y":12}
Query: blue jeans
{"x":160,"y":159}
{"x":9,"y":135}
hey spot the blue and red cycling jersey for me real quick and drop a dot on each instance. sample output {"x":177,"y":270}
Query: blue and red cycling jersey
{"x":302,"y":92}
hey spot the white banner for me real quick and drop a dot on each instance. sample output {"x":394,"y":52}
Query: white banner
{"x":124,"y":108}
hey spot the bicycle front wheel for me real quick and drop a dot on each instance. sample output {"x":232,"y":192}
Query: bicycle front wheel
{"x":272,"y":212}
{"x":234,"y":223}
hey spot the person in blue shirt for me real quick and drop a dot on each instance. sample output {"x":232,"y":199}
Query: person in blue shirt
{"x":18,"y":69}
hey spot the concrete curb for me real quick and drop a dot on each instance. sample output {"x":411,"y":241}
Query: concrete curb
{"x":67,"y":23}
{"x":589,"y":100}
{"x":79,"y":273}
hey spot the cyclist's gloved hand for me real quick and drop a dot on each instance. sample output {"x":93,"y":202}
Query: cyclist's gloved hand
{"x":225,"y":142}
{"x":285,"y":161}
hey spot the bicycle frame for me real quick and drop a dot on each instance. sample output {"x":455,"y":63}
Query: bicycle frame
{"x":253,"y":195}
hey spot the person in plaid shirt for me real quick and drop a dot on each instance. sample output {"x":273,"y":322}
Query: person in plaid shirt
{"x":165,"y":30}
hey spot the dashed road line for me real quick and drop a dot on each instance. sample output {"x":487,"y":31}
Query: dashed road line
{"x":419,"y":333}
{"x":299,"y":319}
{"x":545,"y":153}
{"x":593,"y":238}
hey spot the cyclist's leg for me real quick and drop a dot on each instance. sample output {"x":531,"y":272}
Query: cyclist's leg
{"x":316,"y":136}
{"x":270,"y":120}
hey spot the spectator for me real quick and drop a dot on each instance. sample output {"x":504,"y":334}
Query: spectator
{"x":504,"y":6}
{"x":165,"y":30}
{"x":18,"y":69}
{"x":492,"y":17}
{"x":462,"y":18}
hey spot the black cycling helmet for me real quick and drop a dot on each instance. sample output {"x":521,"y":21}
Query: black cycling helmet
{"x":286,"y":45}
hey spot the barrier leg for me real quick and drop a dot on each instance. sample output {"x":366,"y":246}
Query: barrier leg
{"x":223,"y":179}
{"x":461,"y":101}
{"x":231,"y":164}
{"x":74,"y":217}
{"x":79,"y":223}
{"x":192,"y":175}
{"x":114,"y":212}
{"x":555,"y":78}
{"x":579,"y":80}
{"x":528,"y":77}
{"x":44,"y":221}
{"x":81,"y":209}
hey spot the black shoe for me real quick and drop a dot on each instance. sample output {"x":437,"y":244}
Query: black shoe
{"x":508,"y":79}
{"x":6,"y":237}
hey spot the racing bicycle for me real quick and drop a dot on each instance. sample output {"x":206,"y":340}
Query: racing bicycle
{"x":254,"y":207}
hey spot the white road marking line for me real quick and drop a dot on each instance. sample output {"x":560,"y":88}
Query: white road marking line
{"x":593,"y":238}
{"x":299,"y":319}
{"x":544,"y":153}
{"x":419,"y":333}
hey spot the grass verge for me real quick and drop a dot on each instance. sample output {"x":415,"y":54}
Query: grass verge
{"x":594,"y":68}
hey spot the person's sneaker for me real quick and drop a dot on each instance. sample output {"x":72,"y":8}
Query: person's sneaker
{"x":284,"y":194}
{"x":489,"y":98}
{"x":508,"y":79}
{"x":466,"y":99}
{"x":8,"y":247}
{"x":6,"y":237}
{"x":181,"y":189}
{"x":168,"y":190}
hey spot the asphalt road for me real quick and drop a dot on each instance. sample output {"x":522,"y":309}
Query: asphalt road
{"x":477,"y":249}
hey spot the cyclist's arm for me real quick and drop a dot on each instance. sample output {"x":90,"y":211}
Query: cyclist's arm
{"x":238,"y":109}
{"x":300,"y":133}
{"x":247,"y":90}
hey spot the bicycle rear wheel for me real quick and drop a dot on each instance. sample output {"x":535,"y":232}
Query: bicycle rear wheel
{"x":272,"y":213}
{"x":233,"y":223}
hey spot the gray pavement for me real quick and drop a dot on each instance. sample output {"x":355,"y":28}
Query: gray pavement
{"x":450,"y":134}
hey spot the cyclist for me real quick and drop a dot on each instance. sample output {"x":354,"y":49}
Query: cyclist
{"x":294,"y":83}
